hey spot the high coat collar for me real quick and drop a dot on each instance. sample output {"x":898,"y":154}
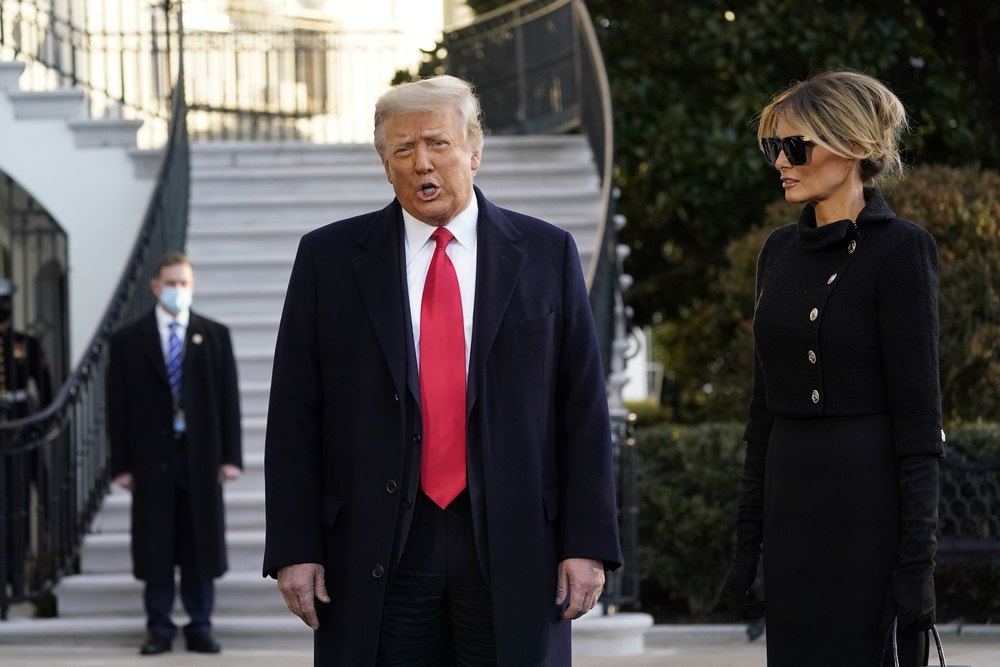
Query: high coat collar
{"x":840,"y":233}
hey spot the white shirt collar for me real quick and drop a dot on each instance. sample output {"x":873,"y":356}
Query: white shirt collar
{"x":462,"y":226}
{"x":163,"y":318}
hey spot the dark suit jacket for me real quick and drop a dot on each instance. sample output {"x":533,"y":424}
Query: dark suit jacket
{"x":343,"y":433}
{"x":140,"y":430}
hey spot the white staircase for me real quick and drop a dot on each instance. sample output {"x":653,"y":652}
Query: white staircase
{"x":87,"y":175}
{"x":250,"y":204}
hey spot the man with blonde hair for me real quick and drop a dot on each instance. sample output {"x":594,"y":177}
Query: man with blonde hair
{"x":438,"y":458}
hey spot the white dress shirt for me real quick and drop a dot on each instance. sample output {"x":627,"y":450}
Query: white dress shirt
{"x":461,"y":252}
{"x":163,"y":320}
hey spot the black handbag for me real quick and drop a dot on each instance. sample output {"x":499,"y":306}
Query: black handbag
{"x":891,"y":640}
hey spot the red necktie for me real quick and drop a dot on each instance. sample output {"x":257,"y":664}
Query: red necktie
{"x":442,"y":378}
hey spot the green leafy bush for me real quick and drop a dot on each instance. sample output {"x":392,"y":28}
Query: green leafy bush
{"x":648,"y":414}
{"x":706,"y":350}
{"x":970,"y":592}
{"x":961,"y":208}
{"x":688,"y":479}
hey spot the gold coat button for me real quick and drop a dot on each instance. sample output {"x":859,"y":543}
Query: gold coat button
{"x":852,"y":246}
{"x":815,"y":396}
{"x":812,"y":357}
{"x":813,"y":314}
{"x":831,"y":279}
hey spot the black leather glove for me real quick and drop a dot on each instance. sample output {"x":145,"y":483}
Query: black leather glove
{"x":910,"y":595}
{"x":737,"y":591}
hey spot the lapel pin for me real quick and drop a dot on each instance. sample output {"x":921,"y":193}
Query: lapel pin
{"x":197,"y":338}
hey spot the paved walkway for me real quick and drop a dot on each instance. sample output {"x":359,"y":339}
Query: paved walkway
{"x":666,"y":646}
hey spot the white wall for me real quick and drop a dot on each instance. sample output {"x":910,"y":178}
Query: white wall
{"x":92,"y":194}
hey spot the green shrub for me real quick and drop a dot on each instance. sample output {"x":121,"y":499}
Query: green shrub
{"x":648,"y":414}
{"x":688,"y":480}
{"x":688,"y":483}
{"x":961,"y":208}
{"x":706,"y":350}
{"x":970,"y":592}
{"x":977,"y":442}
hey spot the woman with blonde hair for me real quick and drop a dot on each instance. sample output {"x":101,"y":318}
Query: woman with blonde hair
{"x":840,"y":484}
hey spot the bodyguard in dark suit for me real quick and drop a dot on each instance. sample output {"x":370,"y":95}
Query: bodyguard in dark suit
{"x":438,"y":460}
{"x":174,"y":429}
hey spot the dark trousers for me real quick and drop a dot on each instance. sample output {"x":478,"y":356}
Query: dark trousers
{"x":437,"y":608}
{"x":197,"y":593}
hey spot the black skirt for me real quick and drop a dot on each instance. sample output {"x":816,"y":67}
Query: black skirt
{"x":831,"y":536}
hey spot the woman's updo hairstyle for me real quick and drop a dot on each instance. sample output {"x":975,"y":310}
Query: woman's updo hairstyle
{"x":848,"y":113}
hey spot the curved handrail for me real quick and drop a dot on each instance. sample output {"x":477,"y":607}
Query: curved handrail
{"x":605,"y":127}
{"x":530,"y":87}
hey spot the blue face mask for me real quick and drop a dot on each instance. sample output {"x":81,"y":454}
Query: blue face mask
{"x":176,"y":299}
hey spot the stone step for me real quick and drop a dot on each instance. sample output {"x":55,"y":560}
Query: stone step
{"x":253,"y":398}
{"x":254,"y":332}
{"x":109,"y":553}
{"x":523,"y":149}
{"x":252,"y":478}
{"x":206,"y":242}
{"x":605,"y":637}
{"x":146,"y":162}
{"x":320,"y":208}
{"x":370,"y":179}
{"x":237,"y":593}
{"x":254,"y":365}
{"x":223,"y":301}
{"x":221,"y":154}
{"x":244,"y":511}
{"x":67,"y":103}
{"x":278,"y":632}
{"x":105,"y":132}
{"x":10,"y":74}
{"x":203,"y":230}
{"x":254,"y":427}
{"x":260,"y":267}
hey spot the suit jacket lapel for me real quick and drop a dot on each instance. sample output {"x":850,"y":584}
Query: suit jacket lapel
{"x":149,"y":341}
{"x":500,"y":260}
{"x":382,"y":288}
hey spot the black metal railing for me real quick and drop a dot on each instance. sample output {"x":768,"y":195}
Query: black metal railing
{"x":54,"y":464}
{"x":119,"y":51}
{"x":969,"y":510}
{"x":266,"y":82}
{"x":537,"y":68}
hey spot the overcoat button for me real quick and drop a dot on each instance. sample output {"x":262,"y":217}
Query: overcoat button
{"x":831,"y":279}
{"x":416,"y":437}
{"x":407,"y":503}
{"x":395,"y":397}
{"x":812,"y":357}
{"x":391,"y":486}
{"x":852,"y":246}
{"x":813,"y":314}
{"x":378,"y":572}
{"x":815,"y":396}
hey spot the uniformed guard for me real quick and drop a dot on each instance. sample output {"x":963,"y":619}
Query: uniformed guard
{"x":25,"y":384}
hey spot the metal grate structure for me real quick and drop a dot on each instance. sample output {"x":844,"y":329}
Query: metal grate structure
{"x":969,"y":510}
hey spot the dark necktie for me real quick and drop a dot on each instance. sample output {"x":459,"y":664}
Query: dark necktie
{"x":175,"y":361}
{"x":442,"y":378}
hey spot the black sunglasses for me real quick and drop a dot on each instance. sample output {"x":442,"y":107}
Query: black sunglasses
{"x":794,"y":148}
